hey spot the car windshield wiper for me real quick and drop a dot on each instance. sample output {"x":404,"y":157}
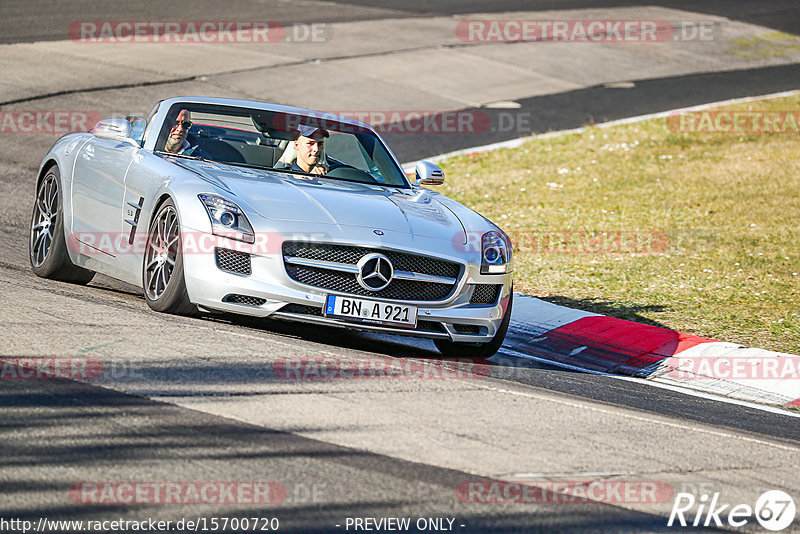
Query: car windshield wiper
{"x":231,"y":163}
{"x":248,"y":165}
{"x":299,"y":173}
{"x":335,"y":178}
{"x":185,"y":156}
{"x":200,"y":158}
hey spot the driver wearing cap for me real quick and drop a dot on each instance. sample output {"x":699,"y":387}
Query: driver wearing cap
{"x":310,"y":152}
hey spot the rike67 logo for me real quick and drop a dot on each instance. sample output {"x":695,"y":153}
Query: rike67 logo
{"x":774,"y":510}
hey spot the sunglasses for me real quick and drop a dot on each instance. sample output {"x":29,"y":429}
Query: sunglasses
{"x":185,"y":124}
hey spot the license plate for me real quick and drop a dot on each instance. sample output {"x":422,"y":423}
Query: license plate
{"x":370,"y":311}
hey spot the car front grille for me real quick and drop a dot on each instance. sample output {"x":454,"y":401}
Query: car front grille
{"x":332,"y":279}
{"x":302,"y":309}
{"x":485,"y":293}
{"x":431,"y":326}
{"x":244,"y":299}
{"x":233,"y":261}
{"x":466,"y":328}
{"x":349,"y":254}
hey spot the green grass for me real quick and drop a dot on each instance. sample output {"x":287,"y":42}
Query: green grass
{"x":729,"y":206}
{"x":772,"y":44}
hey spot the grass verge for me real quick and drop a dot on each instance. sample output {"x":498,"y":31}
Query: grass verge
{"x":697,"y":232}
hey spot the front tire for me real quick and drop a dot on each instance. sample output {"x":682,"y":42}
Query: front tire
{"x":452,"y":349}
{"x":162,"y":269}
{"x":47,"y":244}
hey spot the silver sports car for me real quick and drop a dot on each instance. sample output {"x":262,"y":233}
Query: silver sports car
{"x":265,"y":210}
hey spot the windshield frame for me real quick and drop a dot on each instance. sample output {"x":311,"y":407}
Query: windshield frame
{"x":291,"y":119}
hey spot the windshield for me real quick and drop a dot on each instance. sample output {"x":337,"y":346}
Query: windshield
{"x":273,"y":140}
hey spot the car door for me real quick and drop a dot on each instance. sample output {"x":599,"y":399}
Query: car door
{"x":144,"y":179}
{"x":98,"y":186}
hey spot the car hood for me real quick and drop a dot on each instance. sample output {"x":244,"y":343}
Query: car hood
{"x":297,"y":198}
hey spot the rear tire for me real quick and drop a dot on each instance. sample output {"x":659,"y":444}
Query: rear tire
{"x":452,"y":349}
{"x":162,"y":269}
{"x":47,"y":246}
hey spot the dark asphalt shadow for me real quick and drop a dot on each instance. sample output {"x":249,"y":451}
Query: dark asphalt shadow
{"x":124,"y":438}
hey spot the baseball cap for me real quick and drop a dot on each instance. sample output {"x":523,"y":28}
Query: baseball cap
{"x":308,"y":131}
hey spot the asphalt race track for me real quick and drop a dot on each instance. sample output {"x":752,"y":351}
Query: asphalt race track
{"x":40,"y":20}
{"x":197,"y":400}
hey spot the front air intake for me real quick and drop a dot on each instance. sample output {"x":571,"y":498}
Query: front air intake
{"x":233,"y":261}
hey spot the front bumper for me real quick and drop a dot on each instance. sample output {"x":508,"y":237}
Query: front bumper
{"x":269,"y":292}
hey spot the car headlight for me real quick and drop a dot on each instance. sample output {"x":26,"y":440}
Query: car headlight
{"x":227,"y":219}
{"x":495,"y":253}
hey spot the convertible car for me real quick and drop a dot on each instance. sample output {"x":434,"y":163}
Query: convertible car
{"x":235,"y":206}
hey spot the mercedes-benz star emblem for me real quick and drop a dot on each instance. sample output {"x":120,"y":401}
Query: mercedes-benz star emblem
{"x":374,"y":272}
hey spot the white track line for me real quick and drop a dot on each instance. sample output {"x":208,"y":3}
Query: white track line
{"x":670,"y":387}
{"x":514,"y":143}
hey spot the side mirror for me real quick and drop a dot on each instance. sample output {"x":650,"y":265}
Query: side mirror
{"x":114,"y":129}
{"x":138,"y":127}
{"x":428,"y":174}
